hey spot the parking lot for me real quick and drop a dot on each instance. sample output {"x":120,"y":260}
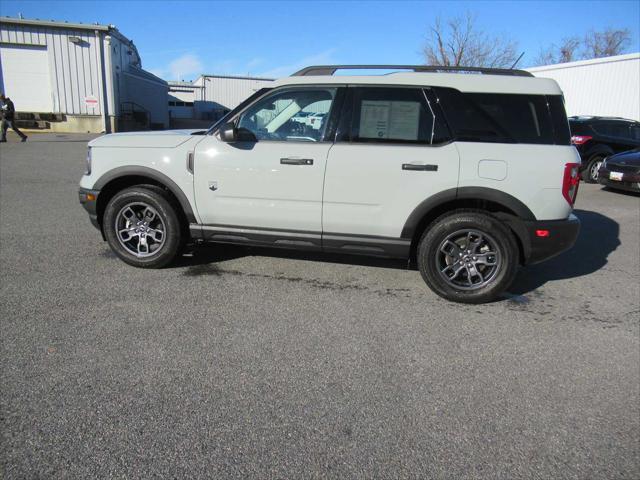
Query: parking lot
{"x":246,"y":362}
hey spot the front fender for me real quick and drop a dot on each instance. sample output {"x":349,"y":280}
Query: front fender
{"x":140,"y":171}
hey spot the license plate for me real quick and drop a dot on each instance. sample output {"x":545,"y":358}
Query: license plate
{"x":617,"y":176}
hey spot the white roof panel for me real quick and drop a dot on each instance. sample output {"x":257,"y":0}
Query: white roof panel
{"x":465,"y":82}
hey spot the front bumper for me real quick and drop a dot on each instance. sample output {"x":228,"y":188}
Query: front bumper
{"x":560,"y":236}
{"x":630,"y":180}
{"x":89,"y":200}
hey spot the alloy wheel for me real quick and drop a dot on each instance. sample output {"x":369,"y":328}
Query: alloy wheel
{"x":593,"y":172}
{"x":140,"y":229}
{"x":468,"y":259}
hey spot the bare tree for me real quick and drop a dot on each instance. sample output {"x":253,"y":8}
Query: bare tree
{"x":459,"y":43}
{"x":606,"y":43}
{"x":593,"y":45}
{"x":567,"y":51}
{"x":547,"y":56}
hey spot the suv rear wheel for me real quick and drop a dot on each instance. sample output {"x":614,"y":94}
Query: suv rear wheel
{"x":590,"y":174}
{"x":142,"y":227}
{"x":468,"y":256}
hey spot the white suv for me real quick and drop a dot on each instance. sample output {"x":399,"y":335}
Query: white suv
{"x":468,"y":171}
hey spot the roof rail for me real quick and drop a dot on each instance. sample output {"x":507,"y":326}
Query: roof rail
{"x":331,"y":69}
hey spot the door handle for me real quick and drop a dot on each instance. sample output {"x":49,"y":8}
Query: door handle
{"x":296,"y":161}
{"x":419,"y":167}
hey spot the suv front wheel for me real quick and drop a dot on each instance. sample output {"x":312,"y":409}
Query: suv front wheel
{"x":468,"y":256}
{"x":142,"y":227}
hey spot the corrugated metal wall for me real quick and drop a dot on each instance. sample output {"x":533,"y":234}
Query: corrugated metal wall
{"x":146,"y":92}
{"x":229,"y":92}
{"x":604,"y":87}
{"x":77,"y":69}
{"x":183,"y":94}
{"x":74,"y":67}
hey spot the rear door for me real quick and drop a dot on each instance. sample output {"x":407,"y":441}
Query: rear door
{"x":392,"y":151}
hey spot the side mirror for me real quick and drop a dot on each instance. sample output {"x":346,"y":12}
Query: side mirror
{"x":228,"y":133}
{"x":245,"y":135}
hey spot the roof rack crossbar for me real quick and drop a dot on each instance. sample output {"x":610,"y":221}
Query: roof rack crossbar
{"x":332,"y":69}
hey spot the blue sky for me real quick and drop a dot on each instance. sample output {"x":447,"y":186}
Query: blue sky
{"x":179,"y":40}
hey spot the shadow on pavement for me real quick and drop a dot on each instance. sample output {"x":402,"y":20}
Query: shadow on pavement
{"x":597,"y":239}
{"x":212,"y":254}
{"x":626,"y":193}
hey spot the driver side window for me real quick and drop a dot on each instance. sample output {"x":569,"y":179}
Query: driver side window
{"x":299,"y":115}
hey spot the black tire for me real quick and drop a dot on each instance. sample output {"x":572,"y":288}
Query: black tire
{"x":493,"y":237}
{"x":165,"y":219}
{"x":593,"y":164}
{"x":184,"y":223}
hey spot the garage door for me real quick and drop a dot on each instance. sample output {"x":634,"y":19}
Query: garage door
{"x":25,"y":77}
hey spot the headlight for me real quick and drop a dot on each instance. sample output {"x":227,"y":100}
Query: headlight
{"x":87,"y":166}
{"x":604,"y":162}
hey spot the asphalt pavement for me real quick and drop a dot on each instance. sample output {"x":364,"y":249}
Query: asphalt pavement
{"x":251,"y":363}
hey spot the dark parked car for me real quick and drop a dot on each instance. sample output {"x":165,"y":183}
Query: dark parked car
{"x":598,"y":137}
{"x":621,"y":171}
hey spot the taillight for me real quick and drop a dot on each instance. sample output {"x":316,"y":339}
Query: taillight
{"x":580,"y":139}
{"x":570,"y":182}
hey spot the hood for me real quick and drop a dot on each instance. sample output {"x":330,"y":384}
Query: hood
{"x":154,"y":139}
{"x":631,"y":158}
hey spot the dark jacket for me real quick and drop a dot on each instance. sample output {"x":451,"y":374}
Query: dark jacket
{"x":8,"y":110}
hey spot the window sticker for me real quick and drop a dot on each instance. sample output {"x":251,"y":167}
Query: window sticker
{"x":386,"y":119}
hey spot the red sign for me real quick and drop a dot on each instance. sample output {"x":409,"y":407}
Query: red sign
{"x":90,"y":101}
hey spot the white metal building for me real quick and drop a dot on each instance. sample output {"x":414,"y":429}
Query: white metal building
{"x":76,"y":77}
{"x":182,"y":96}
{"x":607,"y":86}
{"x":220,"y":92}
{"x":203,"y":101}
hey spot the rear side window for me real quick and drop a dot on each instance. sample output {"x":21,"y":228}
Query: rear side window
{"x":603,"y":129}
{"x":561,"y":130}
{"x":504,"y":118}
{"x":612,"y":129}
{"x":395,"y":115}
{"x":621,"y":130}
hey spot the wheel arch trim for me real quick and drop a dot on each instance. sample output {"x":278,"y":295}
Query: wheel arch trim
{"x":139,"y":171}
{"x":598,"y":149}
{"x":464,"y":193}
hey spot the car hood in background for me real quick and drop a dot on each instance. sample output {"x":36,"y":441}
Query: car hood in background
{"x":155,"y":139}
{"x":631,"y":158}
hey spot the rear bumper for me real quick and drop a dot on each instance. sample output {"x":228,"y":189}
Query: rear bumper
{"x":89,"y":200}
{"x":560,"y":236}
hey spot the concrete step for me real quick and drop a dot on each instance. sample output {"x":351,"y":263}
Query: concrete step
{"x":37,"y":116}
{"x":33,"y":124}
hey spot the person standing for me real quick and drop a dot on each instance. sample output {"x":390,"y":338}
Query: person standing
{"x":8,"y":118}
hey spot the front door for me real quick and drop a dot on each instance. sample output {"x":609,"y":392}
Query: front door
{"x":270,"y":184}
